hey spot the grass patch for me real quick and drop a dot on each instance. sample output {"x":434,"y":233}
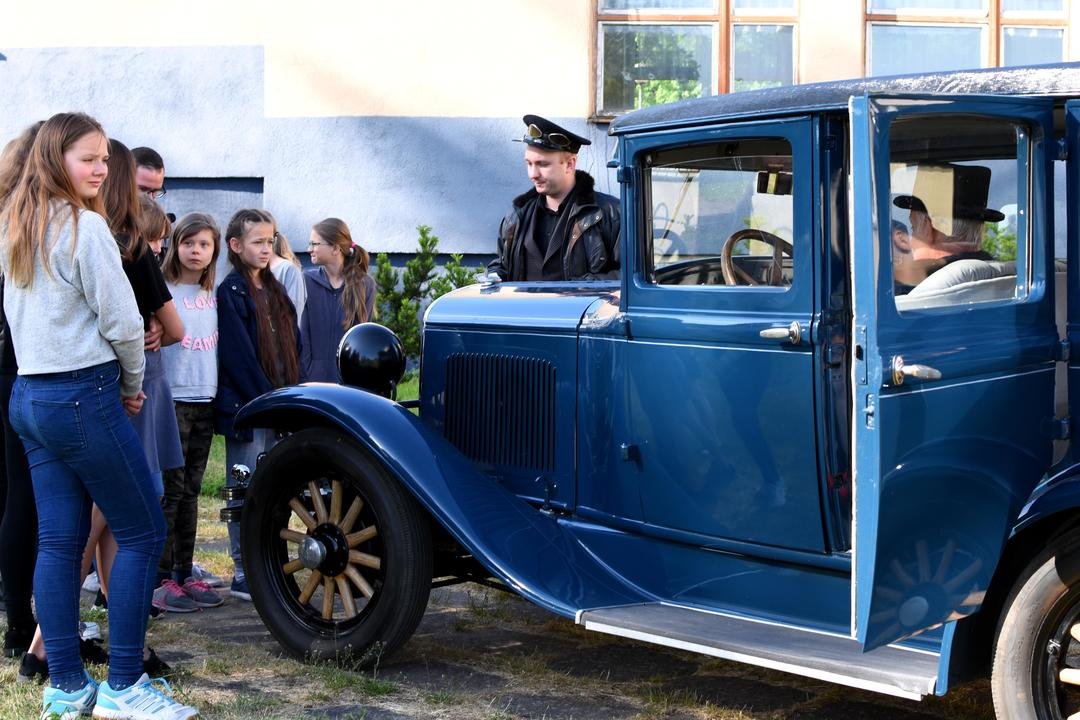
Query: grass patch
{"x":442,"y":697}
{"x":214,"y":477}
{"x":373,"y":687}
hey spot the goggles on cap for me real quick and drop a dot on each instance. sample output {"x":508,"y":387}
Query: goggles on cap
{"x":556,"y":138}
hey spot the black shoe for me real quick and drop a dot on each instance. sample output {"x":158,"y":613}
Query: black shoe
{"x":16,"y":642}
{"x":155,"y":666}
{"x":93,"y":652}
{"x":30,"y":668}
{"x":100,"y":601}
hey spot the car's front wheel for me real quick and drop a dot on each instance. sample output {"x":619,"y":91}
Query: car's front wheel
{"x":1036,"y":673}
{"x":337,"y":554}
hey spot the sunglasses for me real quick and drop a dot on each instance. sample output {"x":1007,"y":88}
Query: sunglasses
{"x":557,"y":139}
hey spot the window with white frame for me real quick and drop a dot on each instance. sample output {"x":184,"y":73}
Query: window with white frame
{"x":651,"y":52}
{"x":913,"y":36}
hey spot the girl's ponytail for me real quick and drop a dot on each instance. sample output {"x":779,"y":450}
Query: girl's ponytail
{"x":355,"y":268}
{"x":352,"y":292}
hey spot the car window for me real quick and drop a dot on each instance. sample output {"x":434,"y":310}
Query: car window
{"x":722,"y":214}
{"x":957,"y":211}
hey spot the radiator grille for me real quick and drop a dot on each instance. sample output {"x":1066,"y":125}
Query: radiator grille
{"x":500,"y":409}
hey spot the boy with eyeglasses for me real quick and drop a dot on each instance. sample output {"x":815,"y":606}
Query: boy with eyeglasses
{"x":561,"y":229}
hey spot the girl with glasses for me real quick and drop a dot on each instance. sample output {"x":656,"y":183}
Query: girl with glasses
{"x":340,"y":294}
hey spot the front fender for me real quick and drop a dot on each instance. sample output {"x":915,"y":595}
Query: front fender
{"x":526,"y":549}
{"x":1058,"y":493}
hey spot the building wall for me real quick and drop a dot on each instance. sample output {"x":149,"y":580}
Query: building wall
{"x":388,"y":115}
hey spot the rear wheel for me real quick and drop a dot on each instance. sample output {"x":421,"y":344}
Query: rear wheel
{"x":1036,"y":673}
{"x":337,"y":553}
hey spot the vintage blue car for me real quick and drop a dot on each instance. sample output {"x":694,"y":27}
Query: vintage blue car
{"x":821,"y":423}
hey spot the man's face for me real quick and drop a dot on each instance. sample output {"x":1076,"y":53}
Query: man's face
{"x":551,"y":171}
{"x":921,"y":226}
{"x":149,"y":180}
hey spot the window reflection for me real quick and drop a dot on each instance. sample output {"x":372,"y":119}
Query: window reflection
{"x":904,"y":49}
{"x":722,"y":214}
{"x":956,"y":229}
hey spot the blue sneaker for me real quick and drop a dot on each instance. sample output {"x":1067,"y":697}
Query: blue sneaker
{"x":57,"y":704}
{"x":239,"y":589}
{"x":145,"y":700}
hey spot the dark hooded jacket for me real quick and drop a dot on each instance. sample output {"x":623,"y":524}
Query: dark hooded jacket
{"x":321,"y":327}
{"x":588,"y":241}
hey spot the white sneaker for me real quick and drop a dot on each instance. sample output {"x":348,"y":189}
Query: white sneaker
{"x":145,"y":700}
{"x":91,"y":584}
{"x":59,"y":705}
{"x":89,"y":630}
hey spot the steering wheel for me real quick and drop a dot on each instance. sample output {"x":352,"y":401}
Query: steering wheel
{"x":734,"y":275}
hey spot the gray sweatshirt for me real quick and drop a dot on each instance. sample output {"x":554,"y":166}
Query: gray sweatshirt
{"x":293,"y":279}
{"x":191,"y":364}
{"x":85,"y":313}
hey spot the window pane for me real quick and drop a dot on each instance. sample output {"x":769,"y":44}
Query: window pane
{"x":622,"y":5}
{"x":1024,"y":7}
{"x":1032,"y":46}
{"x":763,"y":4}
{"x":903,"y":49}
{"x":932,"y":5}
{"x":647,"y":65}
{"x":761,"y":56}
{"x":957,"y":224}
{"x":735,"y":194}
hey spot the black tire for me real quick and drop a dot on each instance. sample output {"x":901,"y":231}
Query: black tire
{"x":1034,"y":644}
{"x":395,"y":533}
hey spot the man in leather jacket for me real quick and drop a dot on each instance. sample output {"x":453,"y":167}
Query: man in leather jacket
{"x":561,"y":229}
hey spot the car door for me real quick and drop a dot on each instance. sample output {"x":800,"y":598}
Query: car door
{"x":954,"y":354}
{"x":719,"y":431}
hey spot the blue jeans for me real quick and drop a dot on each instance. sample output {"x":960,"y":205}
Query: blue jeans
{"x":243,"y":453}
{"x":82,"y":450}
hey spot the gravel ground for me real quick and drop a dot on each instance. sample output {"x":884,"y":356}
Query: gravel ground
{"x":488,"y":655}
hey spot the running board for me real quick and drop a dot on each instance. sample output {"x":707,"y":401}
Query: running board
{"x":835,"y":658}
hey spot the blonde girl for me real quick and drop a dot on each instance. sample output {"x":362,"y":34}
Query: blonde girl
{"x":340,"y":294}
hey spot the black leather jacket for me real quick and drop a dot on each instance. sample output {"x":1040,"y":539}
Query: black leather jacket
{"x":590,"y":242}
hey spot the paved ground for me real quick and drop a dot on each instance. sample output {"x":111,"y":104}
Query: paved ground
{"x":479,"y":654}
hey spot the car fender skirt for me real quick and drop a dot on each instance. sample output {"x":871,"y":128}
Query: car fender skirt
{"x":525,"y":548}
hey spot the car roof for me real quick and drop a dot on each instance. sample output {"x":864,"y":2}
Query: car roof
{"x":1058,"y":80}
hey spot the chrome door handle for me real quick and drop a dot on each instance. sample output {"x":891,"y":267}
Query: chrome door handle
{"x":791,"y":333}
{"x":900,"y":371}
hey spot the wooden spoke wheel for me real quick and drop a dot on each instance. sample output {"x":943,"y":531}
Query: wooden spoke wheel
{"x":337,"y":553}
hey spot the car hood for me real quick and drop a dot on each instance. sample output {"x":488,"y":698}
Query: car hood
{"x":519,"y":306}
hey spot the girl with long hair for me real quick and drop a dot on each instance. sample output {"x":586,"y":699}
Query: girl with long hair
{"x":19,"y":526}
{"x":258,"y":349}
{"x":78,"y":341}
{"x":340,"y":294}
{"x":133,"y":219}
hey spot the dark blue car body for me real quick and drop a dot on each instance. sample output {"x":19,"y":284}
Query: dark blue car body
{"x":810,"y":468}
